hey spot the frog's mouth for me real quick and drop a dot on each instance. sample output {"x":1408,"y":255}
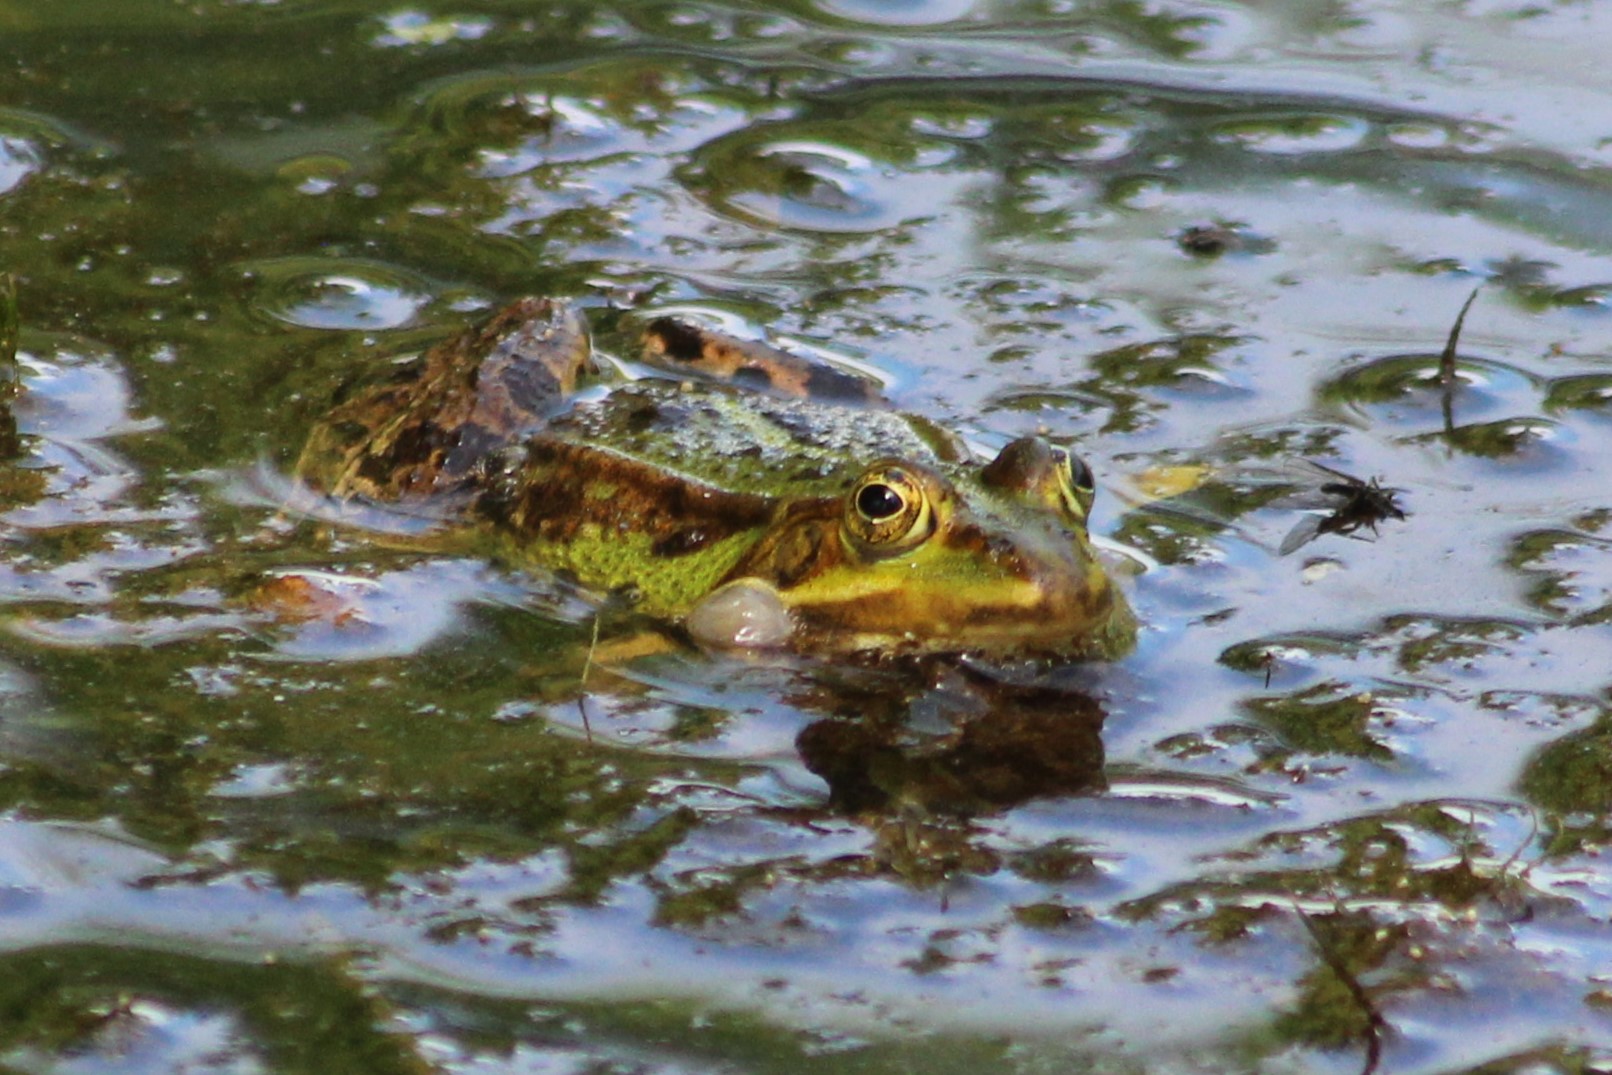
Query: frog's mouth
{"x":750,"y":613}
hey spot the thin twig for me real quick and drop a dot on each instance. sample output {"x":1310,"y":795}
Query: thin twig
{"x":1446,"y":361}
{"x":1533,"y":831}
{"x":1376,"y":1025}
{"x":1446,"y":369}
{"x":582,"y":684}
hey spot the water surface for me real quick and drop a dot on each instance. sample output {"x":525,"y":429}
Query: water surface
{"x":1345,"y":804}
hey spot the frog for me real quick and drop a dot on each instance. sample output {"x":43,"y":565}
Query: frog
{"x":747,"y":497}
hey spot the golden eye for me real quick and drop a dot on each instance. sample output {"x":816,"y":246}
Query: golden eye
{"x":888,"y":510}
{"x":1076,"y":486}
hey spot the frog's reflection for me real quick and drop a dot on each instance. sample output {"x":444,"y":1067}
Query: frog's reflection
{"x":918,"y":771}
{"x":950,"y":753}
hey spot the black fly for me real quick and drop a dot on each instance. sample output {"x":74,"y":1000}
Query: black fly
{"x":1349,"y":504}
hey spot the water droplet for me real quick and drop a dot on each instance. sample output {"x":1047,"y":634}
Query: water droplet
{"x":899,"y":12}
{"x":1293,"y":134}
{"x":335,"y":294}
{"x":315,"y":173}
{"x":257,"y":782}
{"x":405,"y":28}
{"x":1416,"y":135}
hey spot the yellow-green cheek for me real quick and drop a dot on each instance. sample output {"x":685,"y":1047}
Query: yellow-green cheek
{"x":667,"y":585}
{"x":932,"y":569}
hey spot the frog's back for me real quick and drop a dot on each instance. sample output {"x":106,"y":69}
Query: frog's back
{"x":726,"y":438}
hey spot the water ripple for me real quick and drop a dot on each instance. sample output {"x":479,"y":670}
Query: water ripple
{"x":809,"y":185}
{"x":329,"y":293}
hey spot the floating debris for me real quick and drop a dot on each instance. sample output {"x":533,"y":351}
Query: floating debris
{"x":1213,"y":240}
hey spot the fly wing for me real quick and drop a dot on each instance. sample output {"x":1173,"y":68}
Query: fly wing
{"x":1307,"y":530}
{"x":1306,"y":500}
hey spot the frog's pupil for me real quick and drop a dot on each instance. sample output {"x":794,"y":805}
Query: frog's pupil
{"x":878,"y":501}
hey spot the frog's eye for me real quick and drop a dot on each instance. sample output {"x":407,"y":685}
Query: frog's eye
{"x":888,"y":511}
{"x":1076,"y":486}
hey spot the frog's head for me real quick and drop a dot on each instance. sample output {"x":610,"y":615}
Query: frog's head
{"x":995,"y":559}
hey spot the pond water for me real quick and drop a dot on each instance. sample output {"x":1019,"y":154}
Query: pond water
{"x":1344,"y":808}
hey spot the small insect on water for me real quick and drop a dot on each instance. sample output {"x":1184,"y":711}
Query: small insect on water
{"x":1344,"y":504}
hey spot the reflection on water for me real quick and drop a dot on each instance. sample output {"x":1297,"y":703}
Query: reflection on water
{"x":287,"y":792}
{"x":1021,"y":744}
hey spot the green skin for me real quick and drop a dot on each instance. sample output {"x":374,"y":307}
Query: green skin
{"x":679,"y":492}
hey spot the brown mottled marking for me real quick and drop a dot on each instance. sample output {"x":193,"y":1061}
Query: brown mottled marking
{"x":679,"y":345}
{"x":804,"y":542}
{"x":555,"y":493}
{"x":436,"y":423}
